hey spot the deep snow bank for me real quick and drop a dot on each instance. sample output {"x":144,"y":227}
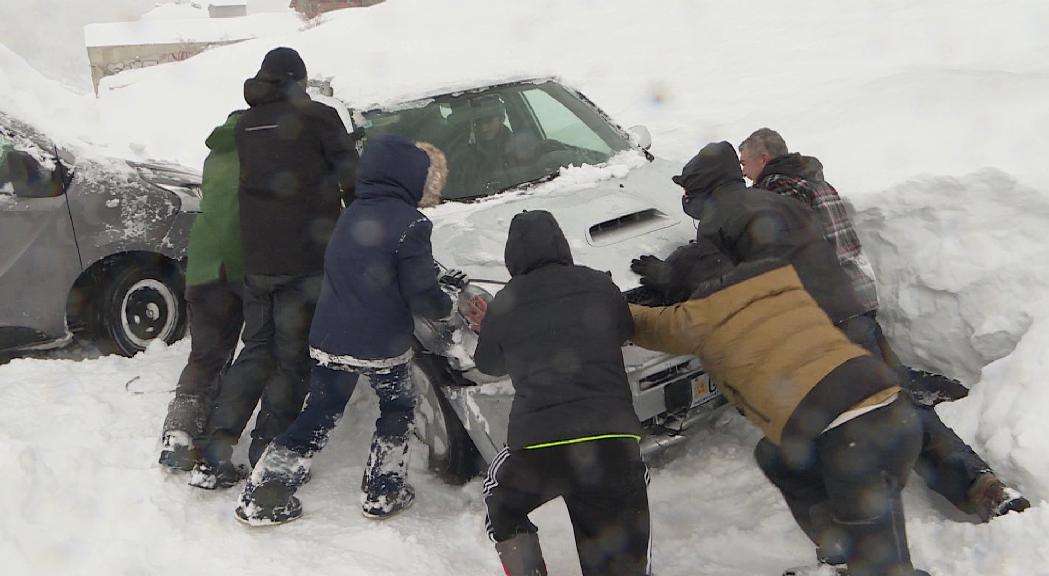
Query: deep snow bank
{"x":963,"y":271}
{"x":49,"y":106}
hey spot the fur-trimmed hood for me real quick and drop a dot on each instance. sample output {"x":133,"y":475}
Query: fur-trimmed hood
{"x":393,"y":166}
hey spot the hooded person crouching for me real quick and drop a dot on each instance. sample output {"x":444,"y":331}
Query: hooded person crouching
{"x":557,"y":329}
{"x":823,"y":401}
{"x":379,"y":272}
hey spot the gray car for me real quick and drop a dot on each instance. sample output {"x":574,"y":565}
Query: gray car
{"x":92,"y":246}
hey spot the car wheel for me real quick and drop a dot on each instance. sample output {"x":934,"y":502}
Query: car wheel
{"x":140,"y":303}
{"x":451,"y":453}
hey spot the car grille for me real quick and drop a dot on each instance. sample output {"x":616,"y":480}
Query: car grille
{"x":667,"y":375}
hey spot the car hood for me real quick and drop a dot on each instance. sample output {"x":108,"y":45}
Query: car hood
{"x":607,"y":222}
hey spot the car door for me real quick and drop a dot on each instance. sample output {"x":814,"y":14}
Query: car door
{"x":39,"y":260}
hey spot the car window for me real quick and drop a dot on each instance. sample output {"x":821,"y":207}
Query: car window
{"x":501,"y":137}
{"x":559,"y":123}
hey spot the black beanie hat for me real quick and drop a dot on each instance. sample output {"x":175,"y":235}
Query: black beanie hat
{"x":282,"y":64}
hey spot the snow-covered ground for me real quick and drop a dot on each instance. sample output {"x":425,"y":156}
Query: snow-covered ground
{"x":929,"y":116}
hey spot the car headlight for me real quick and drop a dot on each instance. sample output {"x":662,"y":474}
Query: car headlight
{"x":453,"y":337}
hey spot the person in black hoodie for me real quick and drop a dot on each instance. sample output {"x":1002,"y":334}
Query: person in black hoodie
{"x":557,"y":330}
{"x":296,"y":168}
{"x":378,"y":272}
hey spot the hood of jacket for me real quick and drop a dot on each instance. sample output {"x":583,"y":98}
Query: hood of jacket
{"x":786,"y":165}
{"x":716,"y":166}
{"x":392,"y":167}
{"x":535,"y":240}
{"x":795,"y":165}
{"x":263,"y":89}
{"x":223,"y":138}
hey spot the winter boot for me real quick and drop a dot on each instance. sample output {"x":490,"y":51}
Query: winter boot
{"x":268,"y":496}
{"x":177,"y":453}
{"x":223,"y":475}
{"x":929,"y":388}
{"x":386,"y":505}
{"x":521,"y":555}
{"x":989,"y":497}
{"x":255,"y":515}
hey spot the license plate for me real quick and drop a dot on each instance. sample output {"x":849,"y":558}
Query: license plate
{"x":703,"y":389}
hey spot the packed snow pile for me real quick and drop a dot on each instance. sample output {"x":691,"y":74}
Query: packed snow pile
{"x":36,"y":100}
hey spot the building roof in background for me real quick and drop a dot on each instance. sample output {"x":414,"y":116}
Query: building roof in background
{"x":195,"y":30}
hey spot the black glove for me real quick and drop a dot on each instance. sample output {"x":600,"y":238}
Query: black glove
{"x":454,"y":280}
{"x":654,"y":272}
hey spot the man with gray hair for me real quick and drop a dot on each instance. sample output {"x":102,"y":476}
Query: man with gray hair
{"x":948,"y":465}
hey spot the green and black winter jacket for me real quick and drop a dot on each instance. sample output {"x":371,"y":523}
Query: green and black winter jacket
{"x":214,"y":241}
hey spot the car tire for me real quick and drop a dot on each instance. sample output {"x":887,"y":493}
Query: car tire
{"x":139,"y":303}
{"x":451,"y":453}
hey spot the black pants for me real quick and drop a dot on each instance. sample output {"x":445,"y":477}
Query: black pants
{"x":946,"y":463}
{"x":273,"y":366}
{"x":847,"y":497}
{"x":216,"y":316}
{"x":605,"y":486}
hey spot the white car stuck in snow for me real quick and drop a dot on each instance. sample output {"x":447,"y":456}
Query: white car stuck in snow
{"x":526,"y":145}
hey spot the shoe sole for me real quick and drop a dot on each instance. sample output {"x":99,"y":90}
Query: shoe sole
{"x":261,"y":523}
{"x":371,"y":516}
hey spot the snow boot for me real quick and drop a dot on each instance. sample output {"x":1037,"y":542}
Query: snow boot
{"x":224,"y":475}
{"x":387,"y":505}
{"x":268,"y":496}
{"x":522,"y":555}
{"x":989,"y":498}
{"x":177,"y":453}
{"x":929,"y":388}
{"x":254,"y":515}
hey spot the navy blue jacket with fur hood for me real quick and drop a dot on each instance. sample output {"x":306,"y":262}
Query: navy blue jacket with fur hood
{"x":379,"y":268}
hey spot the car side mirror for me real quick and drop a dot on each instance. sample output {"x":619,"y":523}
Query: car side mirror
{"x":640,"y":137}
{"x":28,"y":178}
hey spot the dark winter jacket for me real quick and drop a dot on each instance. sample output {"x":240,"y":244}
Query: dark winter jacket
{"x":214,"y":241}
{"x":773,"y":352}
{"x":750,"y":224}
{"x":379,"y":268}
{"x":557,"y":329}
{"x":294,"y":156}
{"x":801,"y":178}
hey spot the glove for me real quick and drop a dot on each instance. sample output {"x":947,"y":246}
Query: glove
{"x":654,"y":272}
{"x":474,"y":310}
{"x":454,"y":280}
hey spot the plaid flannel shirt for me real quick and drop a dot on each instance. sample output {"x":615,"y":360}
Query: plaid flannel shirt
{"x":837,"y":229}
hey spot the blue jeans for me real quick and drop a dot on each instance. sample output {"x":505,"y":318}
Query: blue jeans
{"x":330,"y":391}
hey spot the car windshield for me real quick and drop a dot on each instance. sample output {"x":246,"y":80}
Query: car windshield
{"x":504,"y":136}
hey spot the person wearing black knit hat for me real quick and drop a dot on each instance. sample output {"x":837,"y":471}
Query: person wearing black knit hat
{"x":297,"y":165}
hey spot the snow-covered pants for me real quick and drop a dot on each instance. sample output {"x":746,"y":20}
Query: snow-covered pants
{"x":948,"y":465}
{"x":273,"y":366}
{"x":215,"y":319}
{"x":847,"y":496}
{"x":605,"y":486}
{"x":330,"y":391}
